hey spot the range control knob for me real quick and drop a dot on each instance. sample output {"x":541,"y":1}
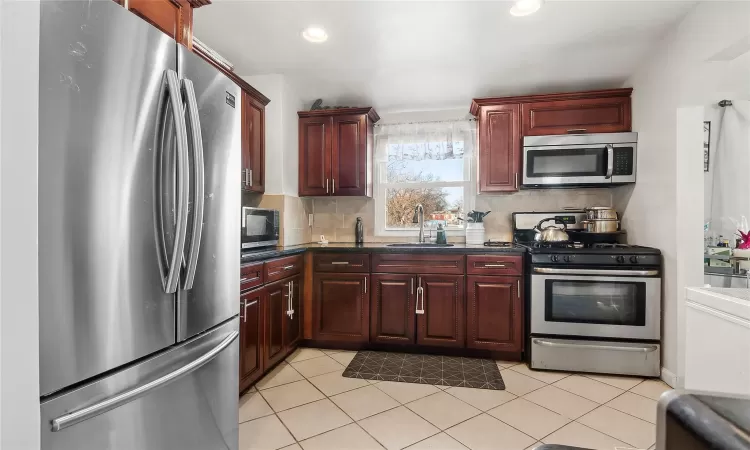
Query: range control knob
{"x":620,"y":259}
{"x":567,"y":258}
{"x":634,"y":259}
{"x":554,"y":258}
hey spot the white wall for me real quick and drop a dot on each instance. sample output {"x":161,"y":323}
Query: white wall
{"x":679,"y":73}
{"x":19,"y":295}
{"x":281,"y":133}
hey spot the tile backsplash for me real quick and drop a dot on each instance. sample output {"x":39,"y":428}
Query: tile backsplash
{"x":335,"y":217}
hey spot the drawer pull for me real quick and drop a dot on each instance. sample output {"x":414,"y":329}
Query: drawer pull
{"x":242,"y":280}
{"x":340,"y":263}
{"x":495,"y":265}
{"x":288,"y":267}
{"x":576,"y":131}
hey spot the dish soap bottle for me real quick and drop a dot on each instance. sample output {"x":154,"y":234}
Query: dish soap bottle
{"x":441,"y":235}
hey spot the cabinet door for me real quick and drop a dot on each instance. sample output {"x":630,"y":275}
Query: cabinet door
{"x":314,"y":156}
{"x":443,"y":320}
{"x":253,"y":144}
{"x":274,"y":314}
{"x":593,"y":115}
{"x":293,"y":316}
{"x":342,"y":307}
{"x":173,"y":17}
{"x":499,"y":148}
{"x":392,"y":308}
{"x":251,"y":361}
{"x":494,"y":318}
{"x":349,"y":156}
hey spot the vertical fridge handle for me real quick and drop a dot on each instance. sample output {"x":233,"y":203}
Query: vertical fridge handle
{"x":194,"y":126}
{"x":169,"y":282}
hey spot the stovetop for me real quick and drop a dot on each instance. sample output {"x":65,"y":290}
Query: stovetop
{"x":587,"y":248}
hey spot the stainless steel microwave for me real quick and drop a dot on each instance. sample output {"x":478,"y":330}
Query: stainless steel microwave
{"x":579,"y":160}
{"x":260,"y":227}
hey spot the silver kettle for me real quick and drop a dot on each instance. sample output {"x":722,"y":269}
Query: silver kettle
{"x":550,"y":233}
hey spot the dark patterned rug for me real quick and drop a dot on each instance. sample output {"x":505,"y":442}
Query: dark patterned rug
{"x":478,"y":373}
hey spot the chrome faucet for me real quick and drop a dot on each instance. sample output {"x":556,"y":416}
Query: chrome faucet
{"x":419,"y":218}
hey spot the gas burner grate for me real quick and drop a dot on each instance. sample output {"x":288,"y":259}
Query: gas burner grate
{"x":501,"y":244}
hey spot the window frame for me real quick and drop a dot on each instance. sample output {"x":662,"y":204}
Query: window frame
{"x":381,"y":185}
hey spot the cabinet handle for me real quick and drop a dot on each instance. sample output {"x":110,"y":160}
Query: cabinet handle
{"x":339,"y":263}
{"x":412,"y":284}
{"x":249,"y":178}
{"x":288,"y":267}
{"x":518,"y":288}
{"x":326,"y":185}
{"x":244,"y":309}
{"x":420,"y":293}
{"x":333,"y":183}
{"x":516,"y":180}
{"x":576,"y":131}
{"x":365,"y":285}
{"x":496,"y":265}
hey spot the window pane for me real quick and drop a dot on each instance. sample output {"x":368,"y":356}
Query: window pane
{"x":441,"y":205}
{"x":425,"y":161}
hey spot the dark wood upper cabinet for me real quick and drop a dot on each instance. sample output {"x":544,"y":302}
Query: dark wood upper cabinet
{"x":251,"y":326}
{"x":314,"y":156}
{"x":274,"y":313}
{"x":335,"y":152}
{"x":499,"y":148}
{"x":494,"y":318}
{"x":341,"y":303}
{"x":253,"y":144}
{"x":591,"y":115}
{"x":293,"y":319}
{"x":173,"y":17}
{"x":392,"y":307}
{"x":442,"y":323}
{"x":504,"y":121}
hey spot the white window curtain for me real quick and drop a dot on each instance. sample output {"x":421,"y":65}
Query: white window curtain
{"x":428,"y":163}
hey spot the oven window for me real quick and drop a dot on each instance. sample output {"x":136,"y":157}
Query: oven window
{"x":570,"y":162}
{"x":596,"y":302}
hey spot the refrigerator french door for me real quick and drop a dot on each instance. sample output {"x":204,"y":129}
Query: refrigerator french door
{"x":139,"y":158}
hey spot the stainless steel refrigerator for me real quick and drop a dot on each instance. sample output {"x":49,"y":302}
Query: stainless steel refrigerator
{"x":139,"y":201}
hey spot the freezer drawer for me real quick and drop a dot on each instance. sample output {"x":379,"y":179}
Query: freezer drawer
{"x":622,"y":358}
{"x":185,"y":398}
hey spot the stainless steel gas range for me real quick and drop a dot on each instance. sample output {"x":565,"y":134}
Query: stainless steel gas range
{"x":594,"y":303}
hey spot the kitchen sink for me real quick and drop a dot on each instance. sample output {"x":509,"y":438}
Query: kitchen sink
{"x":416,"y":244}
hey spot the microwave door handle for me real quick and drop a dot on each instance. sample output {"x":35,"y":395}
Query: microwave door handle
{"x":194,"y":127}
{"x":610,"y":161}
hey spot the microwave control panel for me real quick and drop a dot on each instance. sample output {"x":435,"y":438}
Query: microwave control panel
{"x":623,"y":161}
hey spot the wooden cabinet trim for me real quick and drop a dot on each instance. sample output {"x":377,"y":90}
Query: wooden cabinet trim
{"x":377,"y":307}
{"x":369,"y":111}
{"x":363,"y":334}
{"x":459,"y":311}
{"x":589,"y":115}
{"x":477,"y":103}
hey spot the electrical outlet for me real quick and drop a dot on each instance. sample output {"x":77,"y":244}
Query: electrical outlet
{"x":309,"y":220}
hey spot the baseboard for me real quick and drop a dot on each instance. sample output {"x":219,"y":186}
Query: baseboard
{"x":669,"y":377}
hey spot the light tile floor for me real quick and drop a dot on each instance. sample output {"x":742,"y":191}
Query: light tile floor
{"x":306,"y":404}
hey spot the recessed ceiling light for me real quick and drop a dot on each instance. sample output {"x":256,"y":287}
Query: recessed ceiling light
{"x":315,"y":34}
{"x":526,"y":7}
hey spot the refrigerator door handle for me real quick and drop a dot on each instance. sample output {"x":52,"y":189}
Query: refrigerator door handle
{"x":72,"y":418}
{"x":194,"y":127}
{"x":175,"y":101}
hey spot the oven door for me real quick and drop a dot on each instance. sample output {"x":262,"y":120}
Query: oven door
{"x":584,"y":164}
{"x":259,"y":227}
{"x":623,"y":304}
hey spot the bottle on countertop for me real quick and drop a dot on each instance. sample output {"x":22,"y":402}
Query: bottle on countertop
{"x":441,"y":235}
{"x":359,"y":232}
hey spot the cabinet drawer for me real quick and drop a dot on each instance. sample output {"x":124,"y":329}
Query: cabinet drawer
{"x":341,"y":262}
{"x":251,"y":275}
{"x":494,"y":265}
{"x":276,"y":269}
{"x":416,"y":263}
{"x":594,"y":115}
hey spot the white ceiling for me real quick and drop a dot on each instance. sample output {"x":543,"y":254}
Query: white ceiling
{"x":414,"y":55}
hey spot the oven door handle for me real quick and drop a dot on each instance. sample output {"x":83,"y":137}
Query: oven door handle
{"x":615,"y":272}
{"x":645,"y":349}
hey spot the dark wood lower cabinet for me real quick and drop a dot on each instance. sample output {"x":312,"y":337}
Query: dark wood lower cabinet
{"x":494,"y":318}
{"x":251,"y":325}
{"x":341,"y":307}
{"x":293,"y":316}
{"x":392,"y":309}
{"x":442,"y":299}
{"x":274,"y":312}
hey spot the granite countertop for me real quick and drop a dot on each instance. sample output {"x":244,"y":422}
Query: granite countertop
{"x":371,"y":247}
